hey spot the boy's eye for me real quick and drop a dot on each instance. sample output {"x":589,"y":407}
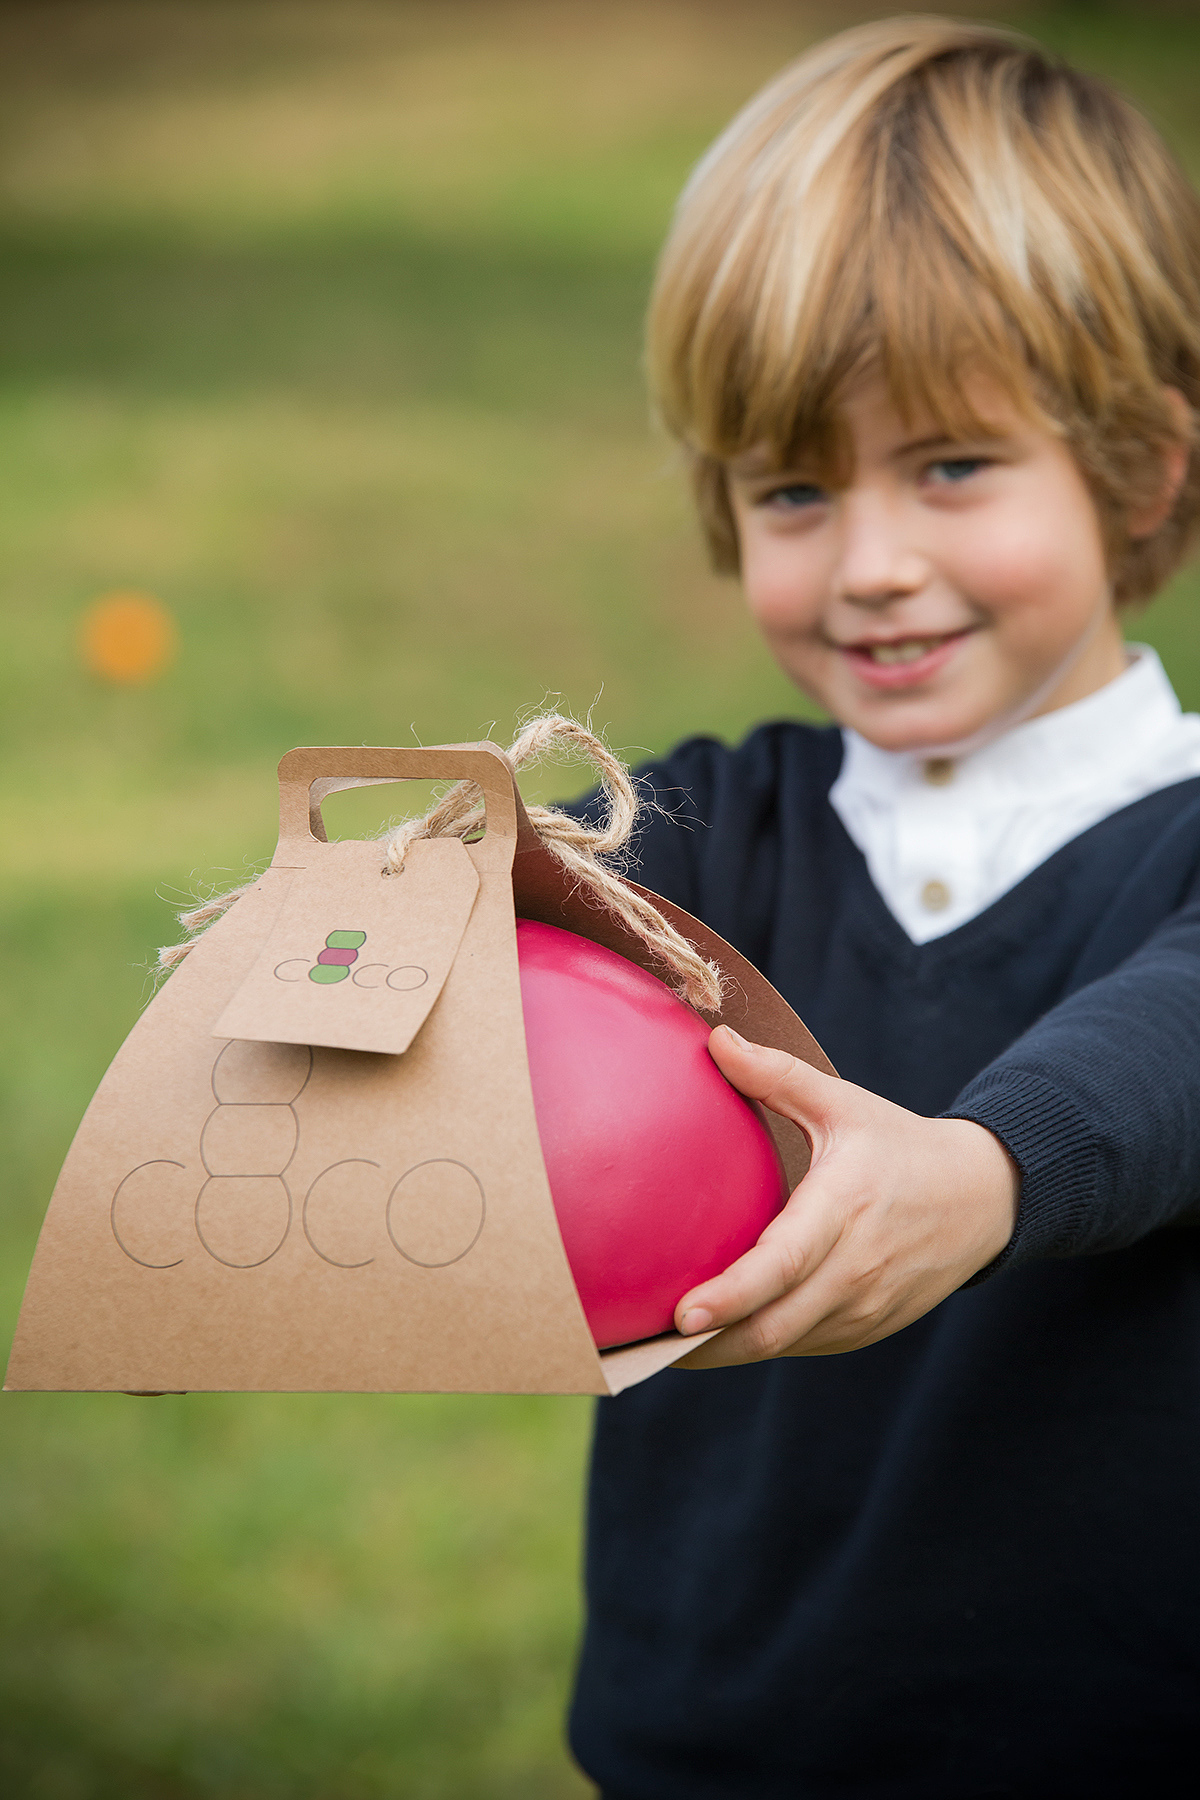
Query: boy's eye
{"x":795,"y":495}
{"x":953,"y":469}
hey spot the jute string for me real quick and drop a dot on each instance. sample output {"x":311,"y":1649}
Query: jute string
{"x":592,"y":854}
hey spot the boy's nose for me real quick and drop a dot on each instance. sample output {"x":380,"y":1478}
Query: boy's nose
{"x":877,"y":563}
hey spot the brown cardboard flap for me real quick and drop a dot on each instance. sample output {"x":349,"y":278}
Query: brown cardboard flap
{"x":625,"y":1367}
{"x":356,"y":958}
{"x":543,"y":889}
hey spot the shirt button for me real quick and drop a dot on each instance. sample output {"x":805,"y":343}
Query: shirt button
{"x":935,"y":896}
{"x":939,"y":771}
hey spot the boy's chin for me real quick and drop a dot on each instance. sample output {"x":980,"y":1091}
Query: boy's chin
{"x":927,"y":730}
{"x":942,"y":717}
{"x":949,"y":718}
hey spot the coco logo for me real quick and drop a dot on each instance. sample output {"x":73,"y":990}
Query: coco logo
{"x":340,"y":952}
{"x":337,"y":960}
{"x":241,"y":1201}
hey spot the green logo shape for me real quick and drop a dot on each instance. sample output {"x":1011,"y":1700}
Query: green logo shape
{"x":345,"y":940}
{"x":324,"y":973}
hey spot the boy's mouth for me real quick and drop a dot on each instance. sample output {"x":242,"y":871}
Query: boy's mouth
{"x":905,"y":652}
{"x":902,"y":662}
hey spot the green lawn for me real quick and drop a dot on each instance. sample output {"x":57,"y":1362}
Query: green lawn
{"x":321,"y":323}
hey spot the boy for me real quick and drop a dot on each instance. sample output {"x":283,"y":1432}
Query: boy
{"x":928,"y":327}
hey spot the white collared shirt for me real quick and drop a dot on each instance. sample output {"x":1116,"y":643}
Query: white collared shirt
{"x":944,"y":838}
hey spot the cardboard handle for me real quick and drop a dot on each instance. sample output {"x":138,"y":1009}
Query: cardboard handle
{"x":307,"y":775}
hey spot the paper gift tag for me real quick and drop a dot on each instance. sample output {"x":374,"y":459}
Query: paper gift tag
{"x":356,"y":958}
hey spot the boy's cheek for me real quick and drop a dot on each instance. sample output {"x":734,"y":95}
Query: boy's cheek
{"x":791,"y":639}
{"x":782,"y":591}
{"x":1048,"y":558}
{"x":1040,"y":605}
{"x":806,"y":661}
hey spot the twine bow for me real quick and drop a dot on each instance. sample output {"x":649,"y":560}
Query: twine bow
{"x":588,"y":852}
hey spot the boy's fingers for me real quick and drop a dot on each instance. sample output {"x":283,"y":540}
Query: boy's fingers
{"x":779,"y":1081}
{"x":771,"y":1331}
{"x":784,"y":1256}
{"x":790,"y":1248}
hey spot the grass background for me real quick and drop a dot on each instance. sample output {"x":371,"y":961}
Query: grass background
{"x":321,"y":322}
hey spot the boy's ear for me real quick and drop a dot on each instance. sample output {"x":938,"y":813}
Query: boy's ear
{"x":1145,"y":520}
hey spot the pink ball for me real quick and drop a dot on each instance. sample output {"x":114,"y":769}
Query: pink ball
{"x":661,"y":1173}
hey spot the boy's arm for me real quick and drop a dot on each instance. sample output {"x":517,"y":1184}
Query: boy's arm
{"x":1099,"y":1104}
{"x":1081,"y":1138}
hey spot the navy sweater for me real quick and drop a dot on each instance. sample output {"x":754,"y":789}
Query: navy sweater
{"x":964,"y":1561}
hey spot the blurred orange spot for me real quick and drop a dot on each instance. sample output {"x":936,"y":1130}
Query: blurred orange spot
{"x":127,"y":637}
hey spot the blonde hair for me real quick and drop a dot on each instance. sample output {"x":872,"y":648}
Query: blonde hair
{"x":933,"y":199}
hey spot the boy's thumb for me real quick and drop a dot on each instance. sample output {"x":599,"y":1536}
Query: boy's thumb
{"x":777,"y":1079}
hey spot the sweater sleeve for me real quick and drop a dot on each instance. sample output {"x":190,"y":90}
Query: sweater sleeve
{"x":1099,"y":1105}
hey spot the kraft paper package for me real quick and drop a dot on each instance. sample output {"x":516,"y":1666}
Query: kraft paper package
{"x":314,"y":1163}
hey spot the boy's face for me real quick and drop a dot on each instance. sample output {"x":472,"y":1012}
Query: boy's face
{"x":948,"y":590}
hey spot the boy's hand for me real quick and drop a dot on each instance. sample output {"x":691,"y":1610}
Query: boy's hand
{"x":895,"y":1213}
